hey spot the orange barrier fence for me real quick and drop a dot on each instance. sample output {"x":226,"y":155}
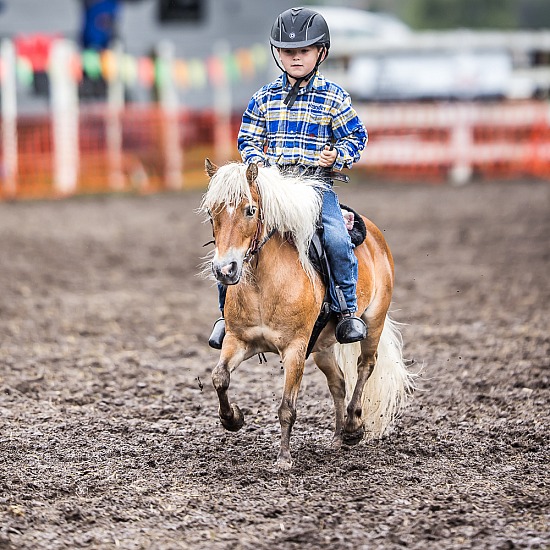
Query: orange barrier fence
{"x":458,"y":141}
{"x":117,"y":153}
{"x":147,"y":150}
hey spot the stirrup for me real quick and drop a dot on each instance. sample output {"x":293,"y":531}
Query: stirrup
{"x":218,"y":333}
{"x":350,"y":329}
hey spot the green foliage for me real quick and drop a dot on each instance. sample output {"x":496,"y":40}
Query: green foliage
{"x":475,"y":14}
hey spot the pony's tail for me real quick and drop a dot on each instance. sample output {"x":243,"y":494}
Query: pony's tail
{"x":388,"y":386}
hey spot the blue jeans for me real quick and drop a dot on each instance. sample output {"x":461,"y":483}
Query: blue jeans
{"x":339,"y":250}
{"x":222,"y":291}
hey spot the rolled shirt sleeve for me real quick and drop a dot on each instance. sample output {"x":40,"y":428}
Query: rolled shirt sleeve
{"x":252,"y":134}
{"x":350,"y":135}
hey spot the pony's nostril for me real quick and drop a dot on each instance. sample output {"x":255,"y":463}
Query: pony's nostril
{"x":229,"y":270}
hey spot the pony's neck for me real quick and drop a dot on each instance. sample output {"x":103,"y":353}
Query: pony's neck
{"x":278,"y":263}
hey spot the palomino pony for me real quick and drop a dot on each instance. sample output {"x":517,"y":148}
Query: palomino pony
{"x":263,"y":222}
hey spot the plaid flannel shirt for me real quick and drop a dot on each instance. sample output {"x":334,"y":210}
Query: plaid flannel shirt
{"x":322,"y":113}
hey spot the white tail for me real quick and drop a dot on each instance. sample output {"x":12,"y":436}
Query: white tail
{"x":389,"y":384}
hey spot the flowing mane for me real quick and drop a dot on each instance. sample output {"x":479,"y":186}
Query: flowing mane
{"x":290,"y":204}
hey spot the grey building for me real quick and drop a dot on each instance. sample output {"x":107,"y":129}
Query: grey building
{"x":194,"y":27}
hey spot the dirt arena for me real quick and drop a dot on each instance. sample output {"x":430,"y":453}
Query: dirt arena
{"x":109,"y":431}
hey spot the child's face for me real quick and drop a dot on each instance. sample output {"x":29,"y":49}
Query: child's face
{"x":299,"y":62}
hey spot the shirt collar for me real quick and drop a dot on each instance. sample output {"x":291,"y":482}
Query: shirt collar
{"x":317,"y":82}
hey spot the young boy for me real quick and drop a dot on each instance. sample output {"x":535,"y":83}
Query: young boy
{"x":301,"y":121}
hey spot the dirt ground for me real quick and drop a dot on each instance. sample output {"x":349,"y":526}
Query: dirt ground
{"x":109,"y":431}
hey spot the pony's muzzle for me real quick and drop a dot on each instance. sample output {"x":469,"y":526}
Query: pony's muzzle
{"x":226,"y":273}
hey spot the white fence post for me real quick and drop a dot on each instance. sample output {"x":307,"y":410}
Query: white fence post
{"x":461,"y":143}
{"x":168,"y":99}
{"x":9,"y":118}
{"x":223,"y":104}
{"x":64,"y":103}
{"x":115,"y":104}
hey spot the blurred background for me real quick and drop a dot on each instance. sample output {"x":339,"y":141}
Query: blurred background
{"x":132,"y":95}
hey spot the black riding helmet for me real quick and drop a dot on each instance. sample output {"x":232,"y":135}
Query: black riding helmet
{"x":299,"y":28}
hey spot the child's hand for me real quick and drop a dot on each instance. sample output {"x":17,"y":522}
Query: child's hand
{"x":327,"y":157}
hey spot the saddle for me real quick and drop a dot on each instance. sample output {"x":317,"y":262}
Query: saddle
{"x":358,"y":232}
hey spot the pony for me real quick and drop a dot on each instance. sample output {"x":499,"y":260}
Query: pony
{"x":263,"y":222}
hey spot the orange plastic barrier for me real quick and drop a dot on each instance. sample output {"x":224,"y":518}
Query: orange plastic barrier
{"x":458,"y":141}
{"x":124,"y":153}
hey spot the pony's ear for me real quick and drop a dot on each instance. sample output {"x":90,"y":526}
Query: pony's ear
{"x":252,"y":173}
{"x":211,"y":168}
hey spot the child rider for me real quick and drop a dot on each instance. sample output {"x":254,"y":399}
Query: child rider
{"x":300,"y":122}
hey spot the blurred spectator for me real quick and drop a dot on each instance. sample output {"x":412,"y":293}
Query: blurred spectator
{"x":99,"y":29}
{"x":99,"y":25}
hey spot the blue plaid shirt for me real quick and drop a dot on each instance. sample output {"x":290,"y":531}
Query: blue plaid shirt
{"x":322,"y":113}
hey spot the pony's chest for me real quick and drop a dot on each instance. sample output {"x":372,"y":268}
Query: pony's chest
{"x":265,"y":318}
{"x":272,"y":299}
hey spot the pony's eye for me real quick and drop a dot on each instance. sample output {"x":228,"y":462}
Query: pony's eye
{"x":250,"y":210}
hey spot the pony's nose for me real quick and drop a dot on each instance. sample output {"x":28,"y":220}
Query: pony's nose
{"x":229,"y":270}
{"x":226,"y":273}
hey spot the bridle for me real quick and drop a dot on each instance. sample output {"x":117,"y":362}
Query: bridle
{"x":256,"y":244}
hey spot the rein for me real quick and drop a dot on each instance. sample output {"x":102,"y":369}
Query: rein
{"x":255,"y":245}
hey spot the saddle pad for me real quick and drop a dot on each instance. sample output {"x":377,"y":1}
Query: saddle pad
{"x":359,"y":232}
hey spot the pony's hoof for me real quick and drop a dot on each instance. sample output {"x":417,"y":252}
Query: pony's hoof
{"x":284,"y":464}
{"x":352,"y":438}
{"x":234,"y":422}
{"x":336,"y":443}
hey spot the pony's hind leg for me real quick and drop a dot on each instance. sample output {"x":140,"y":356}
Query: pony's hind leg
{"x":354,"y":429}
{"x":327,"y":363}
{"x":231,"y":357}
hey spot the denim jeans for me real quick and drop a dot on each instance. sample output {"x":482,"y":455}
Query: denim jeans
{"x":222,"y":291}
{"x":339,"y":250}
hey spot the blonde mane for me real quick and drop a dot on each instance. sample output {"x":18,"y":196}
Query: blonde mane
{"x":290,"y":204}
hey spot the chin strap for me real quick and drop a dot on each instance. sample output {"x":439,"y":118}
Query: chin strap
{"x":293,"y":94}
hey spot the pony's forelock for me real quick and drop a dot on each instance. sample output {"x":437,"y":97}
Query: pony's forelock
{"x":227,"y":187}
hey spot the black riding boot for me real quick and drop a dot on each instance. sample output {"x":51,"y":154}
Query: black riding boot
{"x":350,"y":328}
{"x":218,"y":333}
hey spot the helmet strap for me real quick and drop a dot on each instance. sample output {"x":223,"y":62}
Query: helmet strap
{"x":293,"y":94}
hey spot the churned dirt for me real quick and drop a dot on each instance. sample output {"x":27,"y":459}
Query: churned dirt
{"x":109,"y":431}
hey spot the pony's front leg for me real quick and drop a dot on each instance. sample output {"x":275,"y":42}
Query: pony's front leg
{"x":293,"y":362}
{"x":231,"y":357}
